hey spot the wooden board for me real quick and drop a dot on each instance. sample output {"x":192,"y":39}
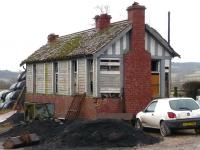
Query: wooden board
{"x":155,"y":79}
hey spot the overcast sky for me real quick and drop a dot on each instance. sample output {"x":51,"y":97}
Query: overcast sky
{"x":25,"y":24}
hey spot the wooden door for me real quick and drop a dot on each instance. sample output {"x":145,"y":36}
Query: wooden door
{"x":155,"y":85}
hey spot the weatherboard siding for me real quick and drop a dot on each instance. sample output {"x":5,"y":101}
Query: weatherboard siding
{"x":48,"y":78}
{"x":81,"y":75}
{"x":115,"y":48}
{"x":124,"y":46}
{"x":110,"y":83}
{"x":94,"y":77}
{"x":160,"y":50}
{"x":40,"y":78}
{"x":63,"y":78}
{"x":29,"y":78}
{"x":154,"y":47}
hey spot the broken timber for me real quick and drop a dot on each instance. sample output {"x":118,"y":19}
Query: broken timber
{"x":20,"y":141}
{"x":75,"y":107}
{"x":20,"y":100}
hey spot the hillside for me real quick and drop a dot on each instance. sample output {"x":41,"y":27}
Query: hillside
{"x":8,"y":75}
{"x":182,"y":72}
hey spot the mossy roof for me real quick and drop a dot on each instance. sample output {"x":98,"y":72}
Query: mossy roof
{"x":82,"y":43}
{"x":86,"y":43}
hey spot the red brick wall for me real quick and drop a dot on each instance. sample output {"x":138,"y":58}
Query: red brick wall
{"x":90,"y":106}
{"x":137,"y":63}
{"x":137,"y":75}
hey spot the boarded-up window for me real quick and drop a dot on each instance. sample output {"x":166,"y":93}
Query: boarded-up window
{"x":109,"y":80}
{"x":155,"y":79}
{"x":109,"y":65}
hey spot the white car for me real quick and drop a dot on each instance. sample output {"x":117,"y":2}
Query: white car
{"x":168,"y":114}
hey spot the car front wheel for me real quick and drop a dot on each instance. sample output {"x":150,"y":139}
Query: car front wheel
{"x":164,"y":129}
{"x":138,"y":124}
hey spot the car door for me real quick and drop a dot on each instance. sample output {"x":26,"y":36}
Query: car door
{"x":148,"y":117}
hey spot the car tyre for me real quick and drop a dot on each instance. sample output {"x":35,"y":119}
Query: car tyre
{"x":197,"y":130}
{"x":138,"y":124}
{"x":164,"y":129}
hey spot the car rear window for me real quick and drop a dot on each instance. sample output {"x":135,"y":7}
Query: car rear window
{"x":183,"y":104}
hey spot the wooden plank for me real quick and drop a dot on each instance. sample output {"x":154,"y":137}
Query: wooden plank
{"x":19,"y":141}
{"x":75,"y":107}
{"x":81,"y":76}
{"x":63,"y":78}
{"x":49,"y":78}
{"x":29,"y":78}
{"x":40,"y":78}
{"x":155,"y":78}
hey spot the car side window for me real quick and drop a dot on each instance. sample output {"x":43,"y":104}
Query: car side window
{"x":151,"y":107}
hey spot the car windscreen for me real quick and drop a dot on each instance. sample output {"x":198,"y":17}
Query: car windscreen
{"x":183,"y":104}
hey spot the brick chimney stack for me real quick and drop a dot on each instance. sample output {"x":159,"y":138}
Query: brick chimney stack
{"x":136,"y":16}
{"x":102,"y":21}
{"x":137,"y":63}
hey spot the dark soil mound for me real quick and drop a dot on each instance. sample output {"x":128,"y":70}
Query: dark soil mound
{"x":98,"y":133}
{"x":104,"y":133}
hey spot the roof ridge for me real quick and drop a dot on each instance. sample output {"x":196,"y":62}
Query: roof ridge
{"x":93,"y":29}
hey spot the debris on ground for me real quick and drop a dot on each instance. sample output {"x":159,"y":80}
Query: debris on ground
{"x":20,"y":141}
{"x":82,"y":133}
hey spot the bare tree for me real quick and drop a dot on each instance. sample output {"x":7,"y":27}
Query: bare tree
{"x":191,"y":88}
{"x":104,"y":9}
{"x":4,"y":84}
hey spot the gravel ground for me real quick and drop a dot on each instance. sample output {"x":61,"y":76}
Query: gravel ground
{"x":181,"y":140}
